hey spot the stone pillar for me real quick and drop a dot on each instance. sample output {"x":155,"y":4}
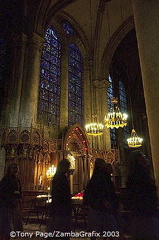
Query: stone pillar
{"x":19,"y":53}
{"x":146,"y":16}
{"x":101,"y":87}
{"x":30,"y":90}
{"x":87,"y":94}
{"x":64,"y":88}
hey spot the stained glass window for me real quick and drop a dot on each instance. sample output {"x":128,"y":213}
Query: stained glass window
{"x":122,"y":97}
{"x":110,"y":96}
{"x":49,"y":92}
{"x":68,"y":28}
{"x":110,"y":93}
{"x":75,"y":85}
{"x":123,"y":107}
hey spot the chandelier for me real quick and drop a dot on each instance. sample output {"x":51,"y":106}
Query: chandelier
{"x":134,"y":141}
{"x":115,"y":118}
{"x":94,"y":129}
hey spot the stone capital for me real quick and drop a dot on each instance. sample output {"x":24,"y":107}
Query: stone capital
{"x":35,"y":41}
{"x":103,"y":83}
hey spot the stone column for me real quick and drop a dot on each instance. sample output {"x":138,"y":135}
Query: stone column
{"x":104,"y":104}
{"x":146,"y":16}
{"x":87,"y":94}
{"x":101,"y":87}
{"x":19,"y":53}
{"x":64,"y":88}
{"x":30,"y":89}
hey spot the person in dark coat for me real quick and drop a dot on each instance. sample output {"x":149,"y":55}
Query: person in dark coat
{"x":60,"y":209}
{"x":100,"y":196}
{"x":10,"y":195}
{"x":142,"y":197}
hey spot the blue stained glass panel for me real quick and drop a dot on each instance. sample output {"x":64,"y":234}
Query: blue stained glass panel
{"x":122,"y":96}
{"x":123,"y":107}
{"x":75,"y":86}
{"x":110,"y":93}
{"x":68,"y":28}
{"x":49,"y":96}
{"x":110,"y":96}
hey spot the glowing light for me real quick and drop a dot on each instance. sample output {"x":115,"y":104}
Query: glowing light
{"x":115,"y":118}
{"x":94,"y":129}
{"x":134,"y":141}
{"x":51,"y":171}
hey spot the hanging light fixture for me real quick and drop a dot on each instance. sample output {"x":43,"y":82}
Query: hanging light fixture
{"x":115,"y":118}
{"x":134,"y":141}
{"x":94,"y":128}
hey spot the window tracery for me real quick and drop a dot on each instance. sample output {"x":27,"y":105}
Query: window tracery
{"x":110,"y":96}
{"x":50,"y":72}
{"x":123,"y":107}
{"x":68,"y":28}
{"x":75,"y":85}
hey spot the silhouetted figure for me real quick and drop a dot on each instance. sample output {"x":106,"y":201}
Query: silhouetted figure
{"x":10,"y":195}
{"x":101,"y":198}
{"x":142,"y":197}
{"x":60,"y":210}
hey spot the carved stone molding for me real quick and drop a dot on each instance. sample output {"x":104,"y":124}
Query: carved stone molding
{"x":101,"y":83}
{"x":114,"y":41}
{"x":35,"y":41}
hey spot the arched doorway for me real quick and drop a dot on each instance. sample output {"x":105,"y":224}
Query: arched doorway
{"x":76,"y":146}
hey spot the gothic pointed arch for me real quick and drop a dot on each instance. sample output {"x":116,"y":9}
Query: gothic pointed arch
{"x":113,"y":43}
{"x":76,"y":145}
{"x":76,"y":140}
